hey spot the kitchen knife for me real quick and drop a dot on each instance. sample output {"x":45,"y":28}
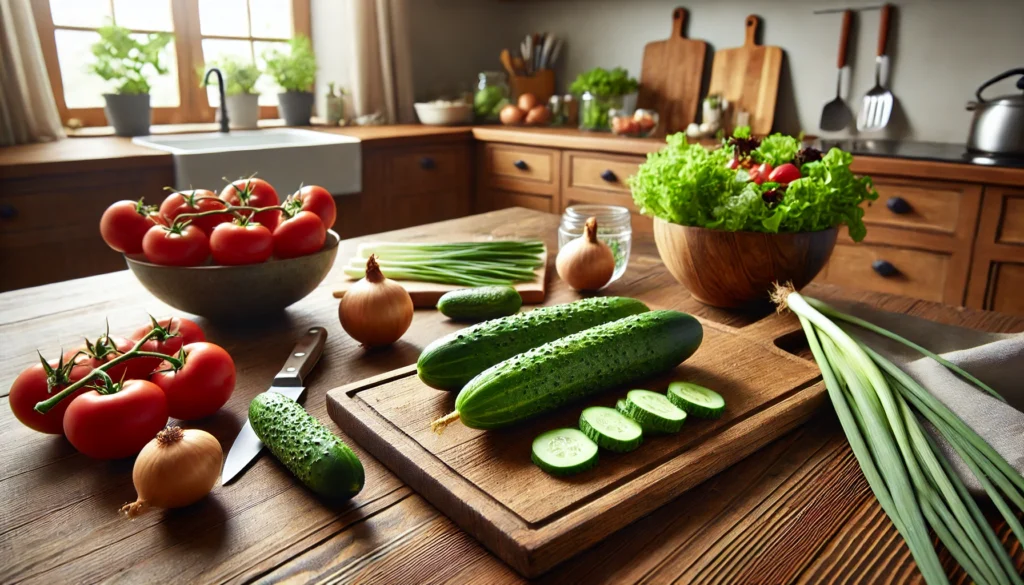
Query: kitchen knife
{"x":289,"y":381}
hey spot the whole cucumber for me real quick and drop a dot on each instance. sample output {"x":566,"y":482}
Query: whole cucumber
{"x":318,"y":458}
{"x":477,"y":304}
{"x":576,"y":366}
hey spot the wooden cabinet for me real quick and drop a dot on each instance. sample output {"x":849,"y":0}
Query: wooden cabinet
{"x":595,"y":178}
{"x":997,"y":275}
{"x":517,"y":176}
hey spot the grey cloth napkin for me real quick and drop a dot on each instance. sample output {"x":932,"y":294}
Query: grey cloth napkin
{"x":995,"y":359}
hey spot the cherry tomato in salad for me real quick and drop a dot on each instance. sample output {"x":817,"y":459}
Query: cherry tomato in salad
{"x":30,"y":388}
{"x":202,"y":385}
{"x":195,"y":201}
{"x":124,"y":225}
{"x":116,"y":425}
{"x":253,"y":192}
{"x":760,"y":173}
{"x":179,"y":246}
{"x":733,"y":164}
{"x":317,"y":200}
{"x":784,"y":174}
{"x":299,"y":235}
{"x":234,"y":244}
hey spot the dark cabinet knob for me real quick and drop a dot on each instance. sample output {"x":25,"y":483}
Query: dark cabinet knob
{"x":884,"y":268}
{"x":521,"y":165}
{"x":609,"y":176}
{"x":427,"y":163}
{"x":8,"y":211}
{"x":898,"y":205}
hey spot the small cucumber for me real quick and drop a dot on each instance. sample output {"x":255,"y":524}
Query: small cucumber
{"x":318,"y":458}
{"x":654,"y":412}
{"x":696,"y":400}
{"x":564,"y":452}
{"x":477,"y":304}
{"x":611,"y":429}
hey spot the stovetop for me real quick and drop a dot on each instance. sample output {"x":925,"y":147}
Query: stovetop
{"x":933,"y":151}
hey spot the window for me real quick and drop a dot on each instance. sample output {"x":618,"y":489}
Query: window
{"x":204,"y":31}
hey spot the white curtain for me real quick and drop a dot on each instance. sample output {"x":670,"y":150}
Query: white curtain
{"x":381,"y":63}
{"x":28,"y":112}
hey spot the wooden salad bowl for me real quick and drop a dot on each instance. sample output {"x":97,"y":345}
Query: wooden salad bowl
{"x":734,"y":269}
{"x":233,"y":292}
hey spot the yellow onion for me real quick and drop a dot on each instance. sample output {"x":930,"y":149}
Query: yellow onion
{"x":176,"y":469}
{"x":586,"y":263}
{"x":376,"y":310}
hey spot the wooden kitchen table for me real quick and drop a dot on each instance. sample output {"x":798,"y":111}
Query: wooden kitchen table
{"x":797,"y":511}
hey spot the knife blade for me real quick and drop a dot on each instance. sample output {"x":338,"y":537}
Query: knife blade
{"x":289,"y":381}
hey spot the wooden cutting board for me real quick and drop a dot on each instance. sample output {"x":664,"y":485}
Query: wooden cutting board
{"x":670,"y":77}
{"x":748,"y":78}
{"x":425,"y":294}
{"x":485,"y":482}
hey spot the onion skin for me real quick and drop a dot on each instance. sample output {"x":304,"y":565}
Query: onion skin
{"x":586,"y":263}
{"x":176,"y":469}
{"x":375,"y":311}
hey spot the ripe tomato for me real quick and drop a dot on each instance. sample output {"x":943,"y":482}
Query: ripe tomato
{"x":733,"y":164}
{"x":254,"y":192}
{"x":201,"y":386}
{"x":30,"y":388}
{"x":112,"y":426}
{"x":299,"y":235}
{"x":785,"y":174}
{"x":136,"y":368}
{"x":317,"y":200}
{"x":124,"y":224}
{"x":195,"y":201}
{"x":181,"y":246}
{"x":760,"y":174}
{"x":233,"y":243}
{"x":180,"y":331}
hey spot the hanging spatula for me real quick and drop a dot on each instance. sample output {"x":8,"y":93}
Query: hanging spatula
{"x":874,"y":113}
{"x":836,"y":114}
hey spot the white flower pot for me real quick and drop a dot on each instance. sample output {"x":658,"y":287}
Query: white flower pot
{"x":243,"y":111}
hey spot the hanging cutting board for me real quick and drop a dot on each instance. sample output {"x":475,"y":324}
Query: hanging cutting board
{"x":748,"y":78}
{"x":485,"y":482}
{"x":670,"y":76}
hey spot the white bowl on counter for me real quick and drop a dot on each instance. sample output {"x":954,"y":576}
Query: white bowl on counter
{"x":444,"y":114}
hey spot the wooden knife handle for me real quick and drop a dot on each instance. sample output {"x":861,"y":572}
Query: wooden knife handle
{"x":844,"y":37}
{"x":883,"y":28}
{"x":752,"y":23}
{"x":678,"y":22}
{"x":304,"y":356}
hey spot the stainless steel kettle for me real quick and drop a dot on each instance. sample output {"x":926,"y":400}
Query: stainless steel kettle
{"x":998,"y":124}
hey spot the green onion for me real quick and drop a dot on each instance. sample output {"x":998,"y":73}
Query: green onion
{"x":880,"y":408}
{"x":462,"y":263}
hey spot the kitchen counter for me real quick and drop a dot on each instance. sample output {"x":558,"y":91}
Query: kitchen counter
{"x":799,"y":511}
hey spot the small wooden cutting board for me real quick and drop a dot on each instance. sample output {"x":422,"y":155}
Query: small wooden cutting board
{"x":670,"y":77}
{"x":748,"y":78}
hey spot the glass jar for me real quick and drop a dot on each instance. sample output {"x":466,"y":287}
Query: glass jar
{"x":594,"y":111}
{"x":491,"y":96}
{"x":613,"y":228}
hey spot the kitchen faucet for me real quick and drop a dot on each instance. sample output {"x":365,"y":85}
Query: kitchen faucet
{"x":223,"y":101}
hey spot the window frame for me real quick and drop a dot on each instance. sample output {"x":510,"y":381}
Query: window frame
{"x":193,"y":106}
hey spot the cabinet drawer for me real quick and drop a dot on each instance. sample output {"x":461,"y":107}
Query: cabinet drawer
{"x":599,"y":173}
{"x":519,"y":168}
{"x":918,"y":205}
{"x":917,"y":273}
{"x":499,"y":199}
{"x":1011,"y":222}
{"x":426,"y":170}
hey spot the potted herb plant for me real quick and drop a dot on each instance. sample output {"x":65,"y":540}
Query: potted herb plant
{"x":601,"y":90}
{"x":295,"y":72}
{"x":240,"y":77}
{"x":128,"y":60}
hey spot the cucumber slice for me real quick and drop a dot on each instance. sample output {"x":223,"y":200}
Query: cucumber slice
{"x":620,"y":406}
{"x":611,"y":429}
{"x":696,"y":400}
{"x":564,"y":452}
{"x":654,"y":412}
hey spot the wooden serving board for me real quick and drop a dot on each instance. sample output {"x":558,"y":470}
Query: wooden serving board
{"x":748,"y":78}
{"x":670,"y":77}
{"x":425,"y":294}
{"x":485,"y":482}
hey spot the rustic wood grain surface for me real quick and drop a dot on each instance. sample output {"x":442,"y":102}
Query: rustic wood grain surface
{"x":796,"y":511}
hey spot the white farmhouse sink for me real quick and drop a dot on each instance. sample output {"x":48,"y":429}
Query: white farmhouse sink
{"x":286,"y":157}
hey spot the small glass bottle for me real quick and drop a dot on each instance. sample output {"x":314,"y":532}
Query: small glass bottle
{"x":594,"y":111}
{"x":613,"y":228}
{"x":491,"y":96}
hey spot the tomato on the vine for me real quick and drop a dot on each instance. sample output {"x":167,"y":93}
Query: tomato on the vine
{"x":125,"y":223}
{"x":238,"y":243}
{"x":201,"y":386}
{"x":299,"y":235}
{"x":253,"y":192}
{"x":317,"y":200}
{"x":195,"y":201}
{"x":117,"y":423}
{"x":175,"y":332}
{"x":31,"y":387}
{"x":176,"y":246}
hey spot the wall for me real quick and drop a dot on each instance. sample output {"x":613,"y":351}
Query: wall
{"x":941,"y":50}
{"x":332,"y":49}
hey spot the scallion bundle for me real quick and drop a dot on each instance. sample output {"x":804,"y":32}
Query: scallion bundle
{"x":880,"y":408}
{"x":463,"y":263}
